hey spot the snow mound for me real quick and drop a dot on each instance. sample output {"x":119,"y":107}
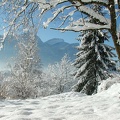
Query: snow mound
{"x":105,"y":84}
{"x":114,"y":90}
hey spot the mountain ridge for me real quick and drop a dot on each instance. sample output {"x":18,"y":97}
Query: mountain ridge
{"x":50,"y":51}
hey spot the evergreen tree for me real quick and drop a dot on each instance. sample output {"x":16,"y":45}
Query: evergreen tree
{"x":93,"y":59}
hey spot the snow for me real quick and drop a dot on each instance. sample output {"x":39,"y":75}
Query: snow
{"x":105,"y":84}
{"x":1,"y":46}
{"x":78,"y":28}
{"x":104,"y":1}
{"x":76,"y":24}
{"x":55,"y":14}
{"x":67,"y":106}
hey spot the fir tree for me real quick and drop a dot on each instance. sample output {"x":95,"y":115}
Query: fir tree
{"x":93,"y":60}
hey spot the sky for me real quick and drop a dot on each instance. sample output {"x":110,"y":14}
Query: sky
{"x":68,"y":36}
{"x":46,"y":34}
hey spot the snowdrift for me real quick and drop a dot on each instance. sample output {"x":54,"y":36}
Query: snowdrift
{"x":68,"y":106}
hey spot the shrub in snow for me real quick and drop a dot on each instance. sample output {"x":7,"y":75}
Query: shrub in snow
{"x":3,"y":93}
{"x":3,"y":86}
{"x":57,"y":78}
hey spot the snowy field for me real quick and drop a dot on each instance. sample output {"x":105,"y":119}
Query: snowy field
{"x":68,"y":106}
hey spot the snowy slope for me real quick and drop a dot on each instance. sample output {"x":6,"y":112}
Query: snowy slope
{"x":68,"y":106}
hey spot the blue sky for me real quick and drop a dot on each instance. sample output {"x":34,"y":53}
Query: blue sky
{"x":68,"y":36}
{"x":46,"y":34}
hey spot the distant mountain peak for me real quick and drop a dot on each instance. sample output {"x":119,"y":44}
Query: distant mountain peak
{"x":54,"y":41}
{"x":50,"y":52}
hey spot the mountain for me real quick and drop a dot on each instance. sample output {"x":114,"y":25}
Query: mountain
{"x":54,"y":41}
{"x":54,"y":49}
{"x":50,"y":51}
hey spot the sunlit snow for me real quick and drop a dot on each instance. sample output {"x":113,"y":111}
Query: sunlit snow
{"x":67,"y":106}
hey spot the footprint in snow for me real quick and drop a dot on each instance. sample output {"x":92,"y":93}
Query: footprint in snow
{"x":26,"y":113}
{"x":54,"y":106}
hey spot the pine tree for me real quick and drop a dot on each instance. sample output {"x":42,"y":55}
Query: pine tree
{"x":93,"y":60}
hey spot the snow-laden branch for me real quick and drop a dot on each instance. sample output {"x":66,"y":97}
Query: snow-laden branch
{"x":48,"y":5}
{"x":55,"y":14}
{"x":85,"y":2}
{"x":83,"y":26}
{"x":67,"y":16}
{"x":82,"y":8}
{"x":94,"y":14}
{"x":82,"y":22}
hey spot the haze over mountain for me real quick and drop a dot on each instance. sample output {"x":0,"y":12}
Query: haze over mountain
{"x":50,"y":51}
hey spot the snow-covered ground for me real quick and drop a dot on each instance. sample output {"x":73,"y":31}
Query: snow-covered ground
{"x":68,"y":106}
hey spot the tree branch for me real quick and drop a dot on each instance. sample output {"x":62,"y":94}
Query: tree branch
{"x":102,"y":2}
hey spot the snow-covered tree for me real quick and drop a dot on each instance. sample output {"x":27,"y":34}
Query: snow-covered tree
{"x":93,"y":62}
{"x":94,"y":58}
{"x":26,"y":73}
{"x":59,"y":77}
{"x":20,"y":13}
{"x":63,"y":71}
{"x":48,"y":86}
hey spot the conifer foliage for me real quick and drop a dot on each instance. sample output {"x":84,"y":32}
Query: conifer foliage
{"x":94,"y":60}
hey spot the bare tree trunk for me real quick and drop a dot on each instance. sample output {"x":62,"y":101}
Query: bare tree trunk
{"x":117,"y":46}
{"x":118,"y":3}
{"x":113,"y":29}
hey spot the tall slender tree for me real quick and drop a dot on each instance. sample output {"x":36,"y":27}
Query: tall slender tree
{"x":93,"y":59}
